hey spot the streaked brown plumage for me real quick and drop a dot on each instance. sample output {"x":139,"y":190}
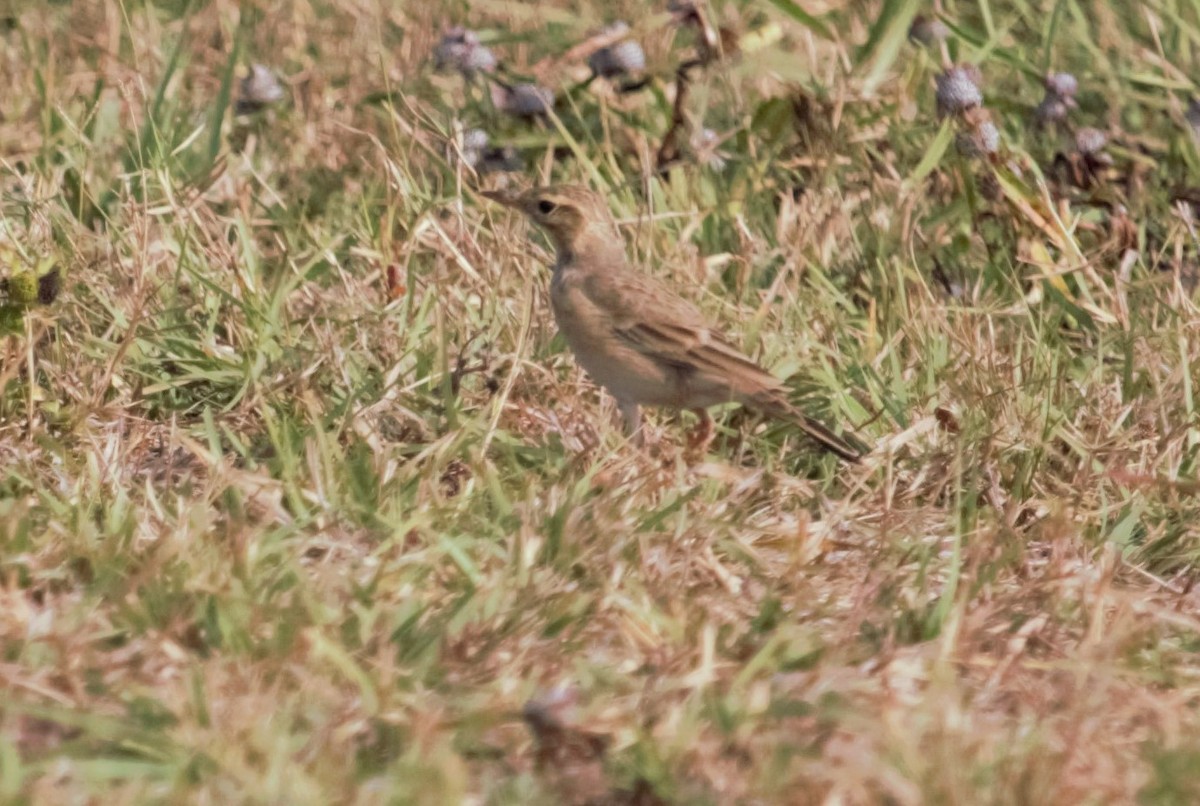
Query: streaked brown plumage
{"x":634,"y":335}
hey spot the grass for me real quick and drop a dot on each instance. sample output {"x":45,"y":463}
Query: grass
{"x":302,"y":500}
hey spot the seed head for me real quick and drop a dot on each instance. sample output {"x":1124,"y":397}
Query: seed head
{"x":706,"y":144}
{"x":1193,"y":116}
{"x":259,"y":88}
{"x":1090,"y":142}
{"x":551,"y":709}
{"x":525,"y":100}
{"x":1053,"y":109}
{"x":474,"y":142}
{"x":461,"y":50}
{"x":980,"y":137}
{"x":1059,"y":99}
{"x":927,"y":31}
{"x":478,"y":153}
{"x":616,"y":60}
{"x":958,"y":90}
{"x":682,"y":8}
{"x":1064,"y":85}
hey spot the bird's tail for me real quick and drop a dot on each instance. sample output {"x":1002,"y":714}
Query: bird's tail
{"x":826,"y":438}
{"x":776,"y":406}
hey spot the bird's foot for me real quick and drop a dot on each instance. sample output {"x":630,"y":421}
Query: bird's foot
{"x":700,"y":438}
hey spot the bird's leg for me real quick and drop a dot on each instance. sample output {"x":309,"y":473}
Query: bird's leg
{"x":702,"y":435}
{"x":632,"y":418}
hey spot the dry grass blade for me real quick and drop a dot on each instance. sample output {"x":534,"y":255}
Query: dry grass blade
{"x":304,"y":500}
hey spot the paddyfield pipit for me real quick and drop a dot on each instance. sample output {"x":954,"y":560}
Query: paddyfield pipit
{"x":635,"y":336}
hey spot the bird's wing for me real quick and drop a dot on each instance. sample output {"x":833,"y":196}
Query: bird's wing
{"x":648,"y":316}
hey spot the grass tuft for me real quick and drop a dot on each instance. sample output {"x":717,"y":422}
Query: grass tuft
{"x":303,"y":500}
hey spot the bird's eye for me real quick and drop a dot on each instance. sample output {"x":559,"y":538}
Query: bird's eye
{"x":546,"y":207}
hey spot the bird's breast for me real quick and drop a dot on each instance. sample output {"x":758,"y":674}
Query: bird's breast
{"x":589,"y":331}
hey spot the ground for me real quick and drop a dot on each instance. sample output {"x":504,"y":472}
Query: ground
{"x":303,"y":501}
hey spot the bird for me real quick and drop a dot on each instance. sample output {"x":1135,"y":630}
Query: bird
{"x":634,"y":335}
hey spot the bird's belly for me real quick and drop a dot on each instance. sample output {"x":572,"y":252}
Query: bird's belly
{"x":630,"y":376}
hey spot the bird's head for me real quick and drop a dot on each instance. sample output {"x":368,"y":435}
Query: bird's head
{"x":574,"y":217}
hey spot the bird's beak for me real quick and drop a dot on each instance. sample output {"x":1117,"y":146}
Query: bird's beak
{"x":506,"y":197}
